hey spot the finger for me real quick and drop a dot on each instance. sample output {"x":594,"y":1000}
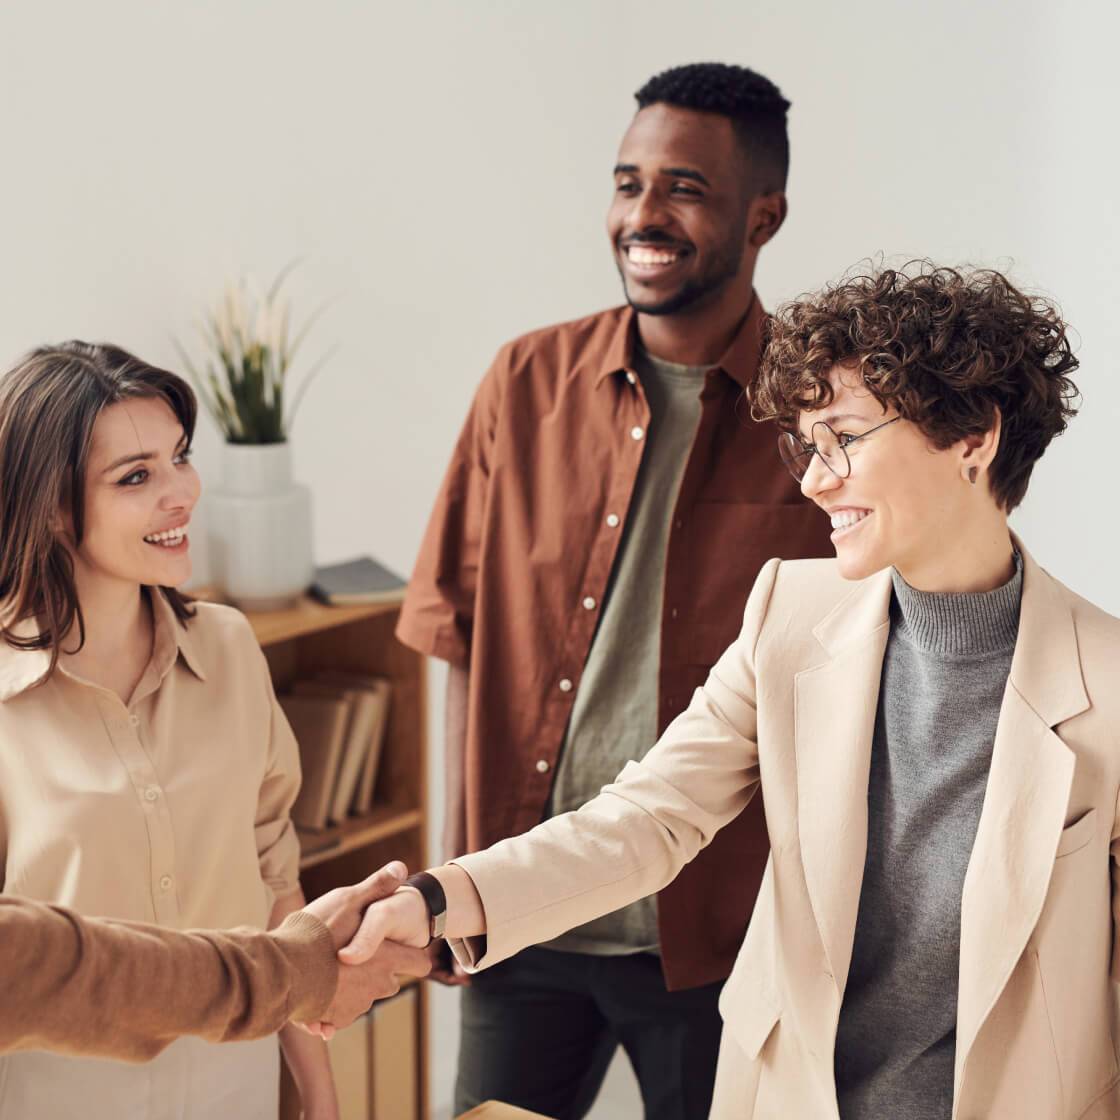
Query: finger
{"x":450,"y":980}
{"x":406,"y":960}
{"x":381,"y":883}
{"x":326,"y":1031}
{"x":366,"y":941}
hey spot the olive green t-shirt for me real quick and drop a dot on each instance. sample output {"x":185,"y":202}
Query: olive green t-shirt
{"x":614,"y":717}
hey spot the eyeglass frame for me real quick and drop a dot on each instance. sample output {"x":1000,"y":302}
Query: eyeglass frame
{"x":811,"y":449}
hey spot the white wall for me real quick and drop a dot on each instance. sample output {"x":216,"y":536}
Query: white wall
{"x":444,"y":168}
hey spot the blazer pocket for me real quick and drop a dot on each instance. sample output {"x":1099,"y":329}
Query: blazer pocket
{"x":1077,"y":835}
{"x":750,"y":1013}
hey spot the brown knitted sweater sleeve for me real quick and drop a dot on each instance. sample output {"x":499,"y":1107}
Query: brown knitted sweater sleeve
{"x":126,"y":990}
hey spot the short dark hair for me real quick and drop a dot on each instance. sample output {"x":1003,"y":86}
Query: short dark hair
{"x":49,"y":404}
{"x":945,"y":347}
{"x":754,"y":105}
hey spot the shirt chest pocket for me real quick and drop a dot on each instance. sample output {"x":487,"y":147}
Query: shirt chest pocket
{"x":730,"y":543}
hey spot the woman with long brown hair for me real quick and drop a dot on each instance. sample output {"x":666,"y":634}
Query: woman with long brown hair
{"x":146,"y":771}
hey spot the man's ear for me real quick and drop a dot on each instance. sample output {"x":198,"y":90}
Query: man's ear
{"x":765,"y":216}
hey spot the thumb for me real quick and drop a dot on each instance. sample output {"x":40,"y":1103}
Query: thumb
{"x":381,"y":883}
{"x":366,"y":941}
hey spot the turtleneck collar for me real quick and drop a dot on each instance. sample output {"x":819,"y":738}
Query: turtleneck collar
{"x":959,"y":624}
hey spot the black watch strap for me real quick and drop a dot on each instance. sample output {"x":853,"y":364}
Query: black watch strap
{"x":432,"y":893}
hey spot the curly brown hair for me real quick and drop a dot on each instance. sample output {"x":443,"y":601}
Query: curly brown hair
{"x":944,"y":348}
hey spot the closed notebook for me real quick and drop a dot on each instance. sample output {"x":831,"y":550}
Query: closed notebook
{"x":364,"y":707}
{"x":355,"y":582}
{"x":320,"y":724}
{"x":494,"y":1110}
{"x":381,"y":691}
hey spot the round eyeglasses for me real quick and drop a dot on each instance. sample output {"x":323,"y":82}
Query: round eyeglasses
{"x":830,"y":445}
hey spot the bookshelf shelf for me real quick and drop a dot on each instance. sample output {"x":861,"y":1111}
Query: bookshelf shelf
{"x":299,"y":643}
{"x":382,"y":824}
{"x":310,"y":617}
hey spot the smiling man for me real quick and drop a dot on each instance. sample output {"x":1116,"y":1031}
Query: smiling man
{"x":605,"y":513}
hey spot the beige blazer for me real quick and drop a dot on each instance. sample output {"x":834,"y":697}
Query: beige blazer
{"x":791,"y":705}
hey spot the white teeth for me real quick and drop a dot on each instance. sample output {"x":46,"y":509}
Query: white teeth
{"x":168,"y":537}
{"x":846,"y":518}
{"x":640,"y":255}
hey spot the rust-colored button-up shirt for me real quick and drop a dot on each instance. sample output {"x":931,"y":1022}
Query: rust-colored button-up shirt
{"x":516,"y":560}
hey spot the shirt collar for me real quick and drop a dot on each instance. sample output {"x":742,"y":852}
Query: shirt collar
{"x":740,"y":359}
{"x":21,"y":668}
{"x":172,"y":638}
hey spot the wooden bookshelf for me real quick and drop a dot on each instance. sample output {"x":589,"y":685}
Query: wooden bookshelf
{"x":310,"y":637}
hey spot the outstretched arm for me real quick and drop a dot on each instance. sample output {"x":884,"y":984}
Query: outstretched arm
{"x":627,"y":843}
{"x":126,"y":990}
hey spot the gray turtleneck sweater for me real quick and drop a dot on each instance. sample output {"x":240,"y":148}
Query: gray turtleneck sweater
{"x":944,"y":673}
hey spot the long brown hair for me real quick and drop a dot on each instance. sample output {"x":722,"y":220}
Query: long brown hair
{"x":49,"y":404}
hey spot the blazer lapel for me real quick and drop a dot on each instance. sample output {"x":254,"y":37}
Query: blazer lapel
{"x":835,"y":704}
{"x":1025,"y":803}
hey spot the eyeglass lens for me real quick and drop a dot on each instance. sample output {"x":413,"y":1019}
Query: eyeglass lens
{"x":825,"y":443}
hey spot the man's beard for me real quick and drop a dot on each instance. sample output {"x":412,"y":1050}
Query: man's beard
{"x":695,"y":291}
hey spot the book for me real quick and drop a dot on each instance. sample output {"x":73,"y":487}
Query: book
{"x":381,"y":691}
{"x":393,"y":1057}
{"x":319,"y":724}
{"x":349,"y":1052}
{"x":355,"y":582}
{"x":359,"y":729}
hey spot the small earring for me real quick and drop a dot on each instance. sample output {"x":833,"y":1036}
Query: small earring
{"x":972,"y":474}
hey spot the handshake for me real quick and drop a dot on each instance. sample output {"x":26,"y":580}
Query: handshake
{"x":380,"y":936}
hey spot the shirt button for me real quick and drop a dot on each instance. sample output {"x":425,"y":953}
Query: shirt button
{"x":134,"y":720}
{"x":673,"y":613}
{"x":636,"y":432}
{"x":631,"y":377}
{"x":151,"y":793}
{"x":589,"y":604}
{"x":542,"y":766}
{"x":612,"y":520}
{"x":565,"y":685}
{"x":165,"y":883}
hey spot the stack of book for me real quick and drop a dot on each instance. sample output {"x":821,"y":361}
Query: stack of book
{"x":339,"y":721}
{"x":374,"y":1062}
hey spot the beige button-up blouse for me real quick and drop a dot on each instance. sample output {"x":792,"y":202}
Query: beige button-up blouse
{"x":171,"y":809}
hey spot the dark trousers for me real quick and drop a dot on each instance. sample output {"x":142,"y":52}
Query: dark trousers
{"x":539,"y":1031}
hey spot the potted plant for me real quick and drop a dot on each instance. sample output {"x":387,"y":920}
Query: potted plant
{"x":259,"y":518}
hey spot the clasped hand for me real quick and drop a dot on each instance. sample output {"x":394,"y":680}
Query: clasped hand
{"x":375,"y":953}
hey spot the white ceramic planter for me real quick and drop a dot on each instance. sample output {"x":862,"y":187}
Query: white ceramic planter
{"x":260,"y":527}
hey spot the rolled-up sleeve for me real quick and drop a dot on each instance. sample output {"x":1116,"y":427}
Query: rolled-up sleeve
{"x":438,"y":613}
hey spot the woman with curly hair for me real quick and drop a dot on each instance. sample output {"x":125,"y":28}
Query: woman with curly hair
{"x":932,"y":720}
